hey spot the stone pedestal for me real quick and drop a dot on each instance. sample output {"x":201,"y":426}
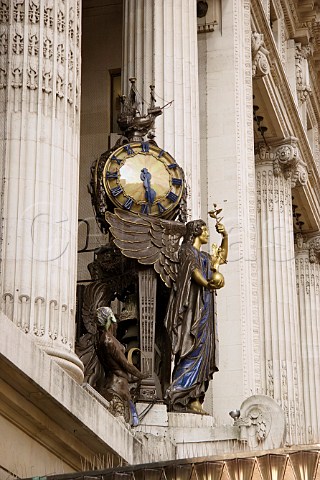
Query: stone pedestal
{"x":40,"y":71}
{"x":277,"y":170}
{"x":308,"y":275}
{"x":164,"y":53}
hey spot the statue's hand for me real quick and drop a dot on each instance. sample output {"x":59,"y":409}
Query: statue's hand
{"x":216,"y":281}
{"x":221,"y":229}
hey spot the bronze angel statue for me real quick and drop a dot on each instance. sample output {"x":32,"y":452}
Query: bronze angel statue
{"x":174,"y":250}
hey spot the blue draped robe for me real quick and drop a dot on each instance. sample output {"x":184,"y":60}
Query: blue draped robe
{"x":191,"y":325}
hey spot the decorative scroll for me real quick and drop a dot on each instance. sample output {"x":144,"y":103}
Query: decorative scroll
{"x":260,"y":63}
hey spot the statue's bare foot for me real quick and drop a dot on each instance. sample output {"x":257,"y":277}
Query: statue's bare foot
{"x":196,"y":407}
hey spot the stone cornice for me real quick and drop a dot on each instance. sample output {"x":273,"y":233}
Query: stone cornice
{"x":279,"y":88}
{"x":290,"y":15}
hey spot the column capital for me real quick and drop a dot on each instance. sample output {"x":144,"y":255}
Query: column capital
{"x":310,"y":244}
{"x":286,"y":160}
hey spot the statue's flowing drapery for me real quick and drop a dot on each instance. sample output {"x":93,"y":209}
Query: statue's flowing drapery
{"x":190,"y":322}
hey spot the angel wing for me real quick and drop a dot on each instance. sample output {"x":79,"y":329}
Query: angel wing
{"x":152,"y":241}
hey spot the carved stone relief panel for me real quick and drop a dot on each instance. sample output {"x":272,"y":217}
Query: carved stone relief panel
{"x":302,"y":71}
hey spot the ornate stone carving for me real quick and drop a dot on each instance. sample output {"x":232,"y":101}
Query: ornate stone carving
{"x":302,"y":72}
{"x":60,"y":53}
{"x":4,"y":11}
{"x":18,"y":10}
{"x":32,"y":81}
{"x":24,"y":318}
{"x":38,"y":327}
{"x":47,"y":78}
{"x":309,"y":244}
{"x":33,"y":47}
{"x":286,"y":160}
{"x":3,"y":43}
{"x":17,"y":46}
{"x":261,"y":423}
{"x":260,"y":63}
{"x":60,"y":83}
{"x":48,"y":17}
{"x":17,"y":76}
{"x":3,"y":77}
{"x":71,"y":22}
{"x":34,"y":11}
{"x":47,"y":48}
{"x":61,"y":18}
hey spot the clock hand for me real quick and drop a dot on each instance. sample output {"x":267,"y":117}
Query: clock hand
{"x":150,"y":194}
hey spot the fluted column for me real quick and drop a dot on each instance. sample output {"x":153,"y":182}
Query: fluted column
{"x":39,"y":87}
{"x":277,"y":170}
{"x":308,"y":276}
{"x":160,"y":48}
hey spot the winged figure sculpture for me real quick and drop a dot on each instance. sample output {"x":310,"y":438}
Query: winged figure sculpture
{"x":190,"y":319}
{"x":150,"y":240}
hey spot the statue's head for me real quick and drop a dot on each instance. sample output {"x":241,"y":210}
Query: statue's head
{"x":193,"y":230}
{"x":105,"y":317}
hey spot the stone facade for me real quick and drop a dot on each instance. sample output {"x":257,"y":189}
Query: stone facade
{"x":242,"y":110}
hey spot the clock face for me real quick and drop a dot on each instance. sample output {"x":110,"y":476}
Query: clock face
{"x":142,"y":178}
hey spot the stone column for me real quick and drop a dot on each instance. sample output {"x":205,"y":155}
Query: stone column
{"x":277,"y":170}
{"x":40,"y":72}
{"x":308,"y":274}
{"x":160,"y":48}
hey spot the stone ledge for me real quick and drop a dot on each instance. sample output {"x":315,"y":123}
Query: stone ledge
{"x":52,"y":408}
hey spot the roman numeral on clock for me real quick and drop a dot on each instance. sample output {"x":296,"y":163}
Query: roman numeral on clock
{"x":161,"y":208}
{"x":113,"y":174}
{"x":177,"y":181}
{"x":145,"y":209}
{"x":128,"y":149}
{"x":172,"y":196}
{"x":116,"y":191}
{"x":116,"y":159}
{"x":145,"y":147}
{"x":128,"y":203}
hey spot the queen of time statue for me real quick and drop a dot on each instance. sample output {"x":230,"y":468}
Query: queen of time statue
{"x":139,"y":194}
{"x":190,"y":319}
{"x":193,"y":277}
